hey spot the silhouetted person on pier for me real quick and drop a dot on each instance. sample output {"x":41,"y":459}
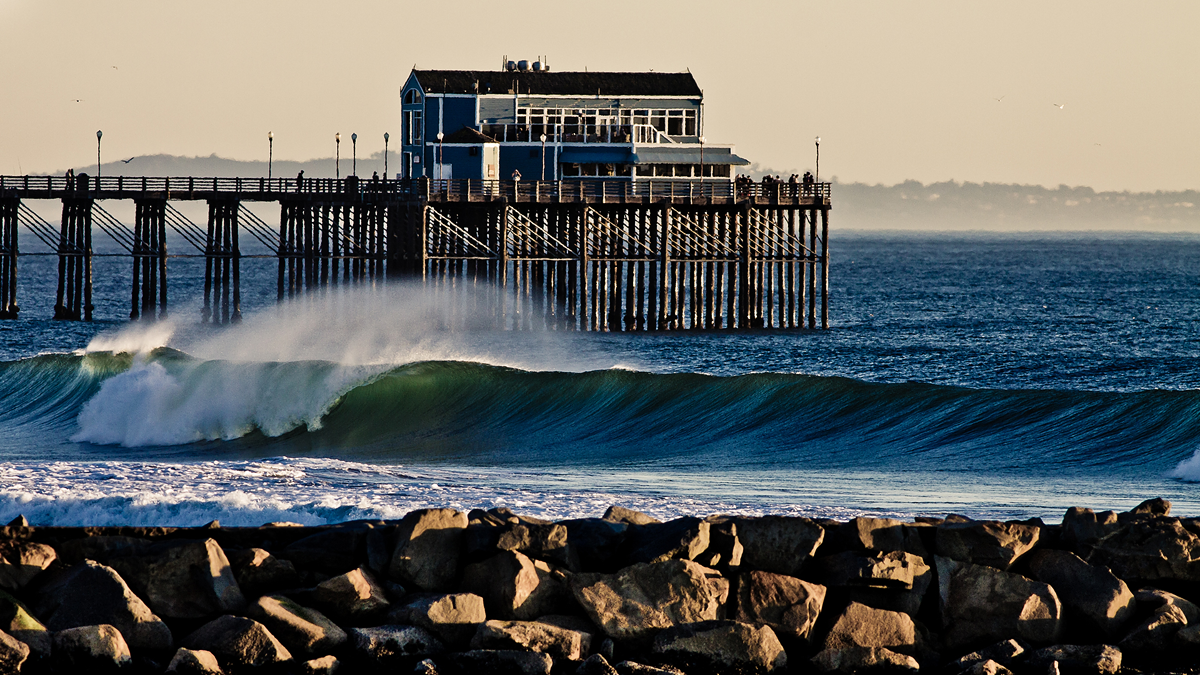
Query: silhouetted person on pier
{"x":300,"y":181}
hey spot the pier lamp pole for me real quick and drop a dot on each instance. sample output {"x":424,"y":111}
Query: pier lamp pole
{"x":702,"y":164}
{"x":440,"y":136}
{"x":99,"y":134}
{"x":354,"y":153}
{"x":543,"y":157}
{"x":270,"y":151}
{"x":337,"y":155}
{"x":817,"y":177}
{"x":385,"y":142}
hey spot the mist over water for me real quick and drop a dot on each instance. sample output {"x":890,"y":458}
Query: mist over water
{"x":988,"y":375}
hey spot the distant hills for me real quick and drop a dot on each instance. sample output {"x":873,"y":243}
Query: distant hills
{"x":910,"y":205}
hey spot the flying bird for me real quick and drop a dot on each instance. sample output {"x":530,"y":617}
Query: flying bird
{"x":77,"y":100}
{"x":1060,"y":106}
{"x":115,"y":68}
{"x":1001,"y":98}
{"x":126,"y":161}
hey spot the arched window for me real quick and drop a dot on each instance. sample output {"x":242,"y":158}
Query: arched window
{"x":411,"y":96}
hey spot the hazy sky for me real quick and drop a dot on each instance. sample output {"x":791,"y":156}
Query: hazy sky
{"x":895,"y":89}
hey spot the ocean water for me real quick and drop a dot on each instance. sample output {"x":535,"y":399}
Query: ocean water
{"x":994,"y":375}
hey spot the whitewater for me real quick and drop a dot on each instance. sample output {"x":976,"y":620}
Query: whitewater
{"x":985,"y":374}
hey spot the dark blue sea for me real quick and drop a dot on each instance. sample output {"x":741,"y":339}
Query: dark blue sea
{"x":997,"y":375}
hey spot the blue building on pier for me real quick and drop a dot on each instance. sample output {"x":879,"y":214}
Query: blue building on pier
{"x":527,"y":120}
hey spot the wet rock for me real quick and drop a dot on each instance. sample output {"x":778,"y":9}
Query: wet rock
{"x":1169,"y":614}
{"x":454,"y":618}
{"x":183,"y":579}
{"x":90,"y":594}
{"x":97,"y":649}
{"x":21,"y":561}
{"x":239,"y":642}
{"x":389,"y":646}
{"x":864,"y":660}
{"x":429,"y":543}
{"x":682,"y":538}
{"x":194,"y":662}
{"x":1151,"y":551}
{"x":500,"y":662}
{"x":1089,"y":592}
{"x":534,"y":636}
{"x":595,"y":664}
{"x":989,"y":543}
{"x":1077,"y":659}
{"x":513,"y":586}
{"x":722,"y":646}
{"x":982,"y":604}
{"x":862,"y":626}
{"x":326,"y":665}
{"x":786,"y":604}
{"x":13,"y":653}
{"x":639,"y":600}
{"x":302,"y":630}
{"x":355,"y":596}
{"x":258,"y":572}
{"x":620,"y":514}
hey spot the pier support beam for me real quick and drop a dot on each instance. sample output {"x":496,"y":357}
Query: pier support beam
{"x":8,"y":258}
{"x":74,"y":299}
{"x":149,"y":260}
{"x":222,"y":264}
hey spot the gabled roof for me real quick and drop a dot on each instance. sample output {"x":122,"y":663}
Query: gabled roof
{"x":467,"y":135}
{"x":546,"y":82}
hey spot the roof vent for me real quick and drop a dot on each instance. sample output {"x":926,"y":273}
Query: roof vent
{"x":537,"y":65}
{"x":522,"y":65}
{"x":512,"y":65}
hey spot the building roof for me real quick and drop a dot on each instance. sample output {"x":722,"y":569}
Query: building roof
{"x":467,"y":135}
{"x":689,"y":154}
{"x":545,"y":82}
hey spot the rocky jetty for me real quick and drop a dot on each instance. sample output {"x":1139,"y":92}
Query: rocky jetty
{"x":495,"y":592}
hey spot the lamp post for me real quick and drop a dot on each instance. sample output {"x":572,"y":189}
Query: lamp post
{"x":817,"y":177}
{"x":543,"y":157}
{"x":440,"y":136}
{"x":270,"y":151}
{"x":702,"y":160}
{"x":337,"y":155}
{"x":99,"y":134}
{"x":354,"y":153}
{"x":385,"y":142}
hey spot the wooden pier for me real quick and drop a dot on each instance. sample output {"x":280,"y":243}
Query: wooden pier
{"x":579,"y":254}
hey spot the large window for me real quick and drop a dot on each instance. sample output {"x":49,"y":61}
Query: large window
{"x":412,"y":127}
{"x":596,"y":122}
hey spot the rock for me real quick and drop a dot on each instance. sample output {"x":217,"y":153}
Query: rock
{"x":326,"y":665}
{"x":1169,"y":614}
{"x":194,"y":662}
{"x":238,"y":642}
{"x":864,"y":659}
{"x":428,"y":547}
{"x":595,"y":664}
{"x":17,"y":621}
{"x":982,"y":604}
{"x":90,"y":594}
{"x":331,"y":551}
{"x":1093,"y":593}
{"x":988,"y":667}
{"x":501,"y":662}
{"x":1151,"y":551}
{"x":620,"y":514}
{"x":862,"y":626}
{"x":19,"y":521}
{"x":389,"y":645}
{"x":542,"y":542}
{"x":302,"y":630}
{"x":355,"y":596}
{"x":1077,"y":659}
{"x":682,"y":538}
{"x":183,"y":579}
{"x":91,"y":649}
{"x":13,"y":653}
{"x":258,"y":572}
{"x":723,"y":647}
{"x":778,"y":544}
{"x":724,"y":550}
{"x":513,"y":586}
{"x":103,"y":548}
{"x":426,"y":667}
{"x":990,"y":543}
{"x":596,"y":543}
{"x":534,"y":636}
{"x":635,"y":668}
{"x":1002,"y":653}
{"x":892,"y":569}
{"x":786,"y":604}
{"x":641,"y":599}
{"x":1082,"y":528}
{"x":1151,"y":508}
{"x":877,"y":535}
{"x":453,"y":618}
{"x":21,"y":561}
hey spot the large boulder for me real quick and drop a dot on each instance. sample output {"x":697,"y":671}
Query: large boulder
{"x":727,"y":647}
{"x":981,"y":604}
{"x":22,"y":560}
{"x":682,"y":538}
{"x":540,"y":541}
{"x":17,"y":621}
{"x":534,"y":636}
{"x":596,"y":543}
{"x":258,"y":572}
{"x":865,"y":534}
{"x":13,"y":653}
{"x":514,"y":586}
{"x":620,"y":514}
{"x":1003,"y":654}
{"x":355,"y":596}
{"x":1091,"y":593}
{"x":595,"y":664}
{"x":863,"y":626}
{"x":429,"y":543}
{"x":390,"y":646}
{"x":454,"y":618}
{"x":864,"y":660}
{"x":95,"y":649}
{"x":778,"y":544}
{"x":331,"y":551}
{"x":986,"y":542}
{"x":304,"y":631}
{"x":1082,"y":528}
{"x":183,"y":579}
{"x":893,"y":580}
{"x":786,"y":604}
{"x":1151,"y":551}
{"x":642,"y":599}
{"x":90,"y":594}
{"x":325,"y":665}
{"x":239,"y":642}
{"x":1076,"y":660}
{"x":194,"y":662}
{"x":1169,"y":614}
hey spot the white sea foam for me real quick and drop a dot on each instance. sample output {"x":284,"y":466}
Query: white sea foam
{"x":1188,"y":469}
{"x":133,"y":338}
